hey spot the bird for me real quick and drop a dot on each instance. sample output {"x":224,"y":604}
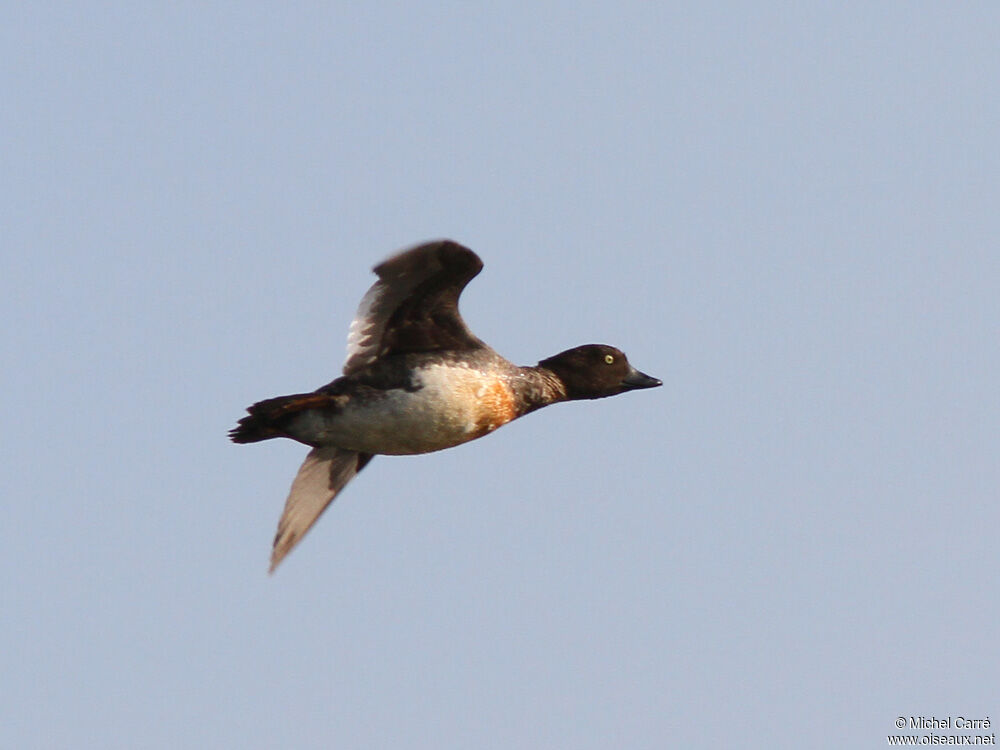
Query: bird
{"x":416,"y":380}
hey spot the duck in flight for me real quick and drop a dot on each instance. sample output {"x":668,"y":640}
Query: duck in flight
{"x":416,"y":380}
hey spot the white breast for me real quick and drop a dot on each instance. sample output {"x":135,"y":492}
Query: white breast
{"x":454,"y":404}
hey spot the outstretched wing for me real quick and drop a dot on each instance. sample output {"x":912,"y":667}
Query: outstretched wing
{"x":323,"y":474}
{"x":413,"y":307}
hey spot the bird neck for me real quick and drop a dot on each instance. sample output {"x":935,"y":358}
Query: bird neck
{"x":535,"y":387}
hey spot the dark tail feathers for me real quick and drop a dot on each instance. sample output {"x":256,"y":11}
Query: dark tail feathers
{"x":265,"y":418}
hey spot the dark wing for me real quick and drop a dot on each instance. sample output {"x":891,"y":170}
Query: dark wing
{"x":413,"y":307}
{"x":323,"y":474}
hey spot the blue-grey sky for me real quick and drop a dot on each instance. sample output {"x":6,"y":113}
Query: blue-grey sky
{"x":786,"y":211}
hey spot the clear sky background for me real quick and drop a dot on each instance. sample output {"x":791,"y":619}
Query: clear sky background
{"x":786,"y":211}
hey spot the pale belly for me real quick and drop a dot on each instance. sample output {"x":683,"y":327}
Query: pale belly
{"x":453,"y":406}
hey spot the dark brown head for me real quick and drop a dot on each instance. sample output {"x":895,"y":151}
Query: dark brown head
{"x":596,"y":371}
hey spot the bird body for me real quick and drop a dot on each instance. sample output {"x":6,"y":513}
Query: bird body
{"x":416,"y":381}
{"x":407,"y":404}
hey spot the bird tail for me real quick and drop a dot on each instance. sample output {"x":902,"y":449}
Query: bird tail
{"x":266,"y":419}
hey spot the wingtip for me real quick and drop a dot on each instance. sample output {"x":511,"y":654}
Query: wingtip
{"x":277,"y":555}
{"x":283,"y":544}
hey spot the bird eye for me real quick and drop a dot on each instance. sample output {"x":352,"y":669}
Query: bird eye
{"x":608,"y":359}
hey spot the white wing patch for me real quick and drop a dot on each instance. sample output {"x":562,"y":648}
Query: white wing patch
{"x":398,"y":277}
{"x":366,"y":330}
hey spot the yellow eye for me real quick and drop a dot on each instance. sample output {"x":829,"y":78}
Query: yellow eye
{"x":609,"y":359}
